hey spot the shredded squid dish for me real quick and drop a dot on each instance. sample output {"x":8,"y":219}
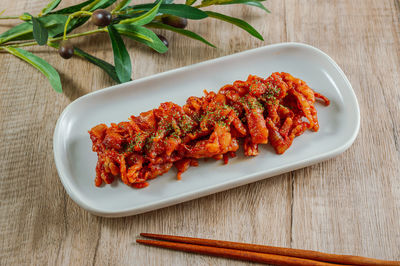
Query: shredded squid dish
{"x":256,"y":111}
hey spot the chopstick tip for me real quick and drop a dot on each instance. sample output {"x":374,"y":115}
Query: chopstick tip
{"x":149,"y":235}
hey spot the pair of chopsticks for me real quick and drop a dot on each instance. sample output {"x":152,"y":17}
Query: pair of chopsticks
{"x":257,"y":253}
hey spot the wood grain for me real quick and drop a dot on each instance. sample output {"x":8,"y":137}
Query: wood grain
{"x":349,"y":204}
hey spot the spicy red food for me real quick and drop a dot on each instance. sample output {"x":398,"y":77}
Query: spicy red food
{"x":256,"y":111}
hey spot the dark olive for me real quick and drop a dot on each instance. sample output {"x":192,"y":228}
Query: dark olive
{"x":175,"y":21}
{"x":101,"y":18}
{"x":163,"y":39}
{"x":66,"y":49}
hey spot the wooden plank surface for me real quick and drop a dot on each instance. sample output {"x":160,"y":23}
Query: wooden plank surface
{"x":349,"y":204}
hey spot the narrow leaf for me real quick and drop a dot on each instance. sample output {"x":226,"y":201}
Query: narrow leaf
{"x":119,"y":18}
{"x":236,"y":2}
{"x":142,"y":35}
{"x":20,"y":32}
{"x":247,"y":2}
{"x":53,"y":23}
{"x":180,"y":10}
{"x":258,"y":4}
{"x":53,"y":4}
{"x":190,"y":2}
{"x":132,"y":31}
{"x":145,"y":18}
{"x":77,"y":22}
{"x":107,"y":67}
{"x":122,"y":5}
{"x":102,"y":4}
{"x":39,"y":31}
{"x":238,"y":22}
{"x":122,"y":59}
{"x":73,"y":9}
{"x":73,"y":24}
{"x":40,"y":64}
{"x":187,"y":33}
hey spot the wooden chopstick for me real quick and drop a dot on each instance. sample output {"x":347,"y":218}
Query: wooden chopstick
{"x":280,"y":255}
{"x":234,"y":253}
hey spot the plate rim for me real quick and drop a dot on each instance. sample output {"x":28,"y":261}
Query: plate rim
{"x":201,"y":192}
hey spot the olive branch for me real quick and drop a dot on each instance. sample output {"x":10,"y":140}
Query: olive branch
{"x":53,"y":28}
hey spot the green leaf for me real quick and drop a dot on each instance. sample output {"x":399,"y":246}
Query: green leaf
{"x":122,"y":59}
{"x":229,"y":2}
{"x":190,"y":2}
{"x":102,"y":4}
{"x":238,"y":22}
{"x":53,"y":4}
{"x":20,"y":32}
{"x":119,"y":18}
{"x":76,"y":22}
{"x":187,"y":33}
{"x":40,"y":33}
{"x":78,"y":7}
{"x":122,"y":5}
{"x":247,"y":2}
{"x":53,"y":23}
{"x":180,"y":10}
{"x":107,"y":67}
{"x":142,"y":35}
{"x":257,"y":4}
{"x":73,"y":24}
{"x":145,"y":18}
{"x":40,"y":64}
{"x":72,"y":9}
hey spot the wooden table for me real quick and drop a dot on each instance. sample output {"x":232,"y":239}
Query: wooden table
{"x":349,"y":204}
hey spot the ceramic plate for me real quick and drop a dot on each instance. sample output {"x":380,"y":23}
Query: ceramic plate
{"x":75,"y":161}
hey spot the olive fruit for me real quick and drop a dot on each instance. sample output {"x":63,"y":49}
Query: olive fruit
{"x":101,"y":18}
{"x":66,"y":49}
{"x":163,"y":39}
{"x":175,"y":21}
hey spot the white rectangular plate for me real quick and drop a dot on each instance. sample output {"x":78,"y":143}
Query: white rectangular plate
{"x":75,"y":161}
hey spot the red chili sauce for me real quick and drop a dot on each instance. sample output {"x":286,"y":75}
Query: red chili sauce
{"x":256,"y":111}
